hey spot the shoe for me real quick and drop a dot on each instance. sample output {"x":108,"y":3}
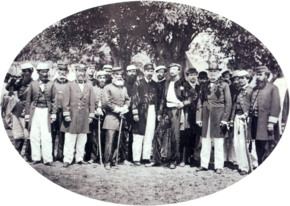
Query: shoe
{"x":152,"y":164}
{"x":66,"y":164}
{"x":182,"y":164}
{"x":35,"y":162}
{"x":243,"y":173}
{"x":235,"y":167}
{"x":199,"y":169}
{"x":113,"y":164}
{"x":27,"y":159}
{"x":137,"y":163}
{"x":91,"y":161}
{"x":218,"y":171}
{"x":107,"y":166}
{"x":82,"y":163}
{"x":49,"y":164}
{"x":254,"y":167}
{"x":172,"y":166}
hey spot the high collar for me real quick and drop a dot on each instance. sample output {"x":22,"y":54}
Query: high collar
{"x":81,"y":81}
{"x":41,"y":82}
{"x":61,"y":82}
{"x":162,"y":80}
{"x":147,"y":80}
{"x":175,"y":79}
{"x":192,"y":85}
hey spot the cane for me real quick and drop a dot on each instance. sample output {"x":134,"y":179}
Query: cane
{"x":119,"y":137}
{"x":99,"y":138}
{"x":246,"y":146}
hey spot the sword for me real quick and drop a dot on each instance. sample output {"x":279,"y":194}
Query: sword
{"x":246,"y":146}
{"x":99,"y":138}
{"x":119,"y":137}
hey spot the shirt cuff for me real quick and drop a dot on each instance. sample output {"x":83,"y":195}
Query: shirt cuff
{"x":117,"y":109}
{"x":273,"y":119}
{"x":53,"y":116}
{"x":91,"y":115}
{"x":65,"y":114}
{"x":27,"y":116}
{"x":135,"y":111}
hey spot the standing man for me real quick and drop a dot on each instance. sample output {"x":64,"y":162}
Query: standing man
{"x":90,"y":74}
{"x":40,"y":111}
{"x":202,"y":77}
{"x":116,"y":102}
{"x":93,"y":153}
{"x":20,"y":133}
{"x":240,"y":112}
{"x":144,"y":107}
{"x":173,"y":100}
{"x":187,"y":138}
{"x":59,"y":85}
{"x":264,"y":113}
{"x":161,"y":76}
{"x":78,"y":111}
{"x":213,"y":112}
{"x":108,"y":69}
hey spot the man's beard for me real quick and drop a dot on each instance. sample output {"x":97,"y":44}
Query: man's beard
{"x":90,"y":76}
{"x":102,"y":83}
{"x":160,"y":77}
{"x":26,"y":79}
{"x":132,"y":79}
{"x":44,"y":78}
{"x":261,"y":83}
{"x":80,"y":77}
{"x":61,"y":77}
{"x":118,"y":82}
{"x":149,"y":77}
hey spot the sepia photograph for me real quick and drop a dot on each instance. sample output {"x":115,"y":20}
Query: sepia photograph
{"x":145,"y":103}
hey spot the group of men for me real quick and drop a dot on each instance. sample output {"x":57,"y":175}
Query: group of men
{"x":163,"y":119}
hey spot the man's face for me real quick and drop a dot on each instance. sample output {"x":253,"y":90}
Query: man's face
{"x":62,"y":73}
{"x":149,"y":73}
{"x":102,"y":80}
{"x":132,"y":72}
{"x":235,"y":81}
{"x":109,"y":72}
{"x":202,"y":80}
{"x":243,"y":81}
{"x":91,"y":71}
{"x":213,"y":75}
{"x":227,"y":77}
{"x":160,"y":74}
{"x":192,"y":78}
{"x":261,"y":76}
{"x":118,"y":75}
{"x":80,"y":74}
{"x":174,"y":71}
{"x":43,"y":74}
{"x":25,"y":72}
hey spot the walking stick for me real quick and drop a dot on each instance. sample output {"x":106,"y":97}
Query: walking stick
{"x":247,"y":151}
{"x":99,"y":138}
{"x":119,"y":137}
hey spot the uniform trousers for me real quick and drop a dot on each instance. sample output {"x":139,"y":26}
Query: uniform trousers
{"x":240,"y":146}
{"x":206,"y":150}
{"x":229,"y":150}
{"x":145,"y":140}
{"x":40,"y":135}
{"x":187,"y":144}
{"x":111,"y":145}
{"x":71,"y":141}
{"x":56,"y":132}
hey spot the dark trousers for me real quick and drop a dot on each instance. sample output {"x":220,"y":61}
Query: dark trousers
{"x":111,"y":145}
{"x":19,"y":145}
{"x":92,"y":145}
{"x":187,"y":144}
{"x":55,"y":128}
{"x":174,"y":116}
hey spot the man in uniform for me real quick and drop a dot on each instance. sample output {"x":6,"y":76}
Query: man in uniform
{"x":213,"y":112}
{"x":108,"y":69}
{"x":187,"y":138}
{"x":144,"y":107}
{"x":40,"y":111}
{"x":93,"y":153}
{"x":161,"y":77}
{"x":240,"y":112}
{"x":173,"y":100}
{"x":78,"y":111}
{"x":20,"y":133}
{"x":117,"y":102}
{"x":202,"y":77}
{"x":91,"y":69}
{"x":264,"y":113}
{"x":59,"y":85}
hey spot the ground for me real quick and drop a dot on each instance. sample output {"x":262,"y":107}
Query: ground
{"x":129,"y":184}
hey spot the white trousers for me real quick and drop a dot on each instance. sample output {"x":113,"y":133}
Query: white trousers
{"x":229,"y":150}
{"x":145,"y":140}
{"x":40,"y":135}
{"x":240,"y":146}
{"x":70,"y":142}
{"x":206,"y":150}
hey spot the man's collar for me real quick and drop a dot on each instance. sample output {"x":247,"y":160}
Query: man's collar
{"x":162,"y":80}
{"x":41,"y":82}
{"x":61,"y":82}
{"x":192,"y":85}
{"x":80,"y":81}
{"x":147,"y":80}
{"x":244,"y":87}
{"x":176,"y":78}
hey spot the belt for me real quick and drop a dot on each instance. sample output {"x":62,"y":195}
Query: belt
{"x":41,"y":105}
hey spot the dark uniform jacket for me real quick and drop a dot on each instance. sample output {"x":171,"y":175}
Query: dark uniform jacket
{"x":160,"y":90}
{"x":80,"y":106}
{"x":144,"y":94}
{"x":33,"y":94}
{"x":190,"y":109}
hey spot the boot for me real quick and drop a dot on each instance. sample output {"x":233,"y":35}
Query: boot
{"x":28,"y":151}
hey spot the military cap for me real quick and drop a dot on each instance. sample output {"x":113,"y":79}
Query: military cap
{"x":131,"y":67}
{"x":115,"y":69}
{"x":202,"y":74}
{"x":42,"y":66}
{"x":107,"y":66}
{"x":213,"y":66}
{"x":191,"y":71}
{"x":235,"y":73}
{"x":148,"y":66}
{"x":62,"y":65}
{"x":160,"y":67}
{"x":174,"y":65}
{"x":77,"y":67}
{"x":242,"y":73}
{"x":26,"y":66}
{"x":261,"y":69}
{"x":101,"y":73}
{"x":91,"y":65}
